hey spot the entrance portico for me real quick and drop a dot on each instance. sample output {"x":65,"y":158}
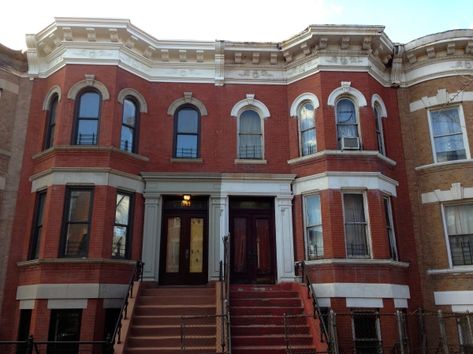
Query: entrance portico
{"x":219,"y":189}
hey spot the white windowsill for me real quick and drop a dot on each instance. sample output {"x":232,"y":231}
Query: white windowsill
{"x":453,"y":270}
{"x":319,"y":154}
{"x":177,"y":159}
{"x":250,"y":162}
{"x":362,"y":261}
{"x":440,"y":164}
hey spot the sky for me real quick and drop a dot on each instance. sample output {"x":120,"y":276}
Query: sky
{"x":240,"y":20}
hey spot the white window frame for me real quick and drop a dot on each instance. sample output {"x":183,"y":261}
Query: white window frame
{"x":379,"y":129}
{"x":357,"y":117}
{"x":306,"y":226}
{"x":301,"y":150}
{"x":296,"y":106}
{"x":463,"y":131}
{"x":367,"y":221}
{"x":446,"y":236}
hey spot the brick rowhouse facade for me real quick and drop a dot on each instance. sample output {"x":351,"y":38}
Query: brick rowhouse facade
{"x":332,"y":130}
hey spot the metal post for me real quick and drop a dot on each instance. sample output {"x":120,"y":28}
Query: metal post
{"x":333,"y":340}
{"x":29,"y":345}
{"x":443,"y":333}
{"x":400,"y":329}
{"x":423,"y":344}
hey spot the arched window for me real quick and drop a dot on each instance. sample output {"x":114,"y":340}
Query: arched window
{"x":128,"y":136}
{"x":347,"y":125}
{"x":379,"y":128}
{"x":186,"y":132}
{"x":87,"y":118}
{"x":308,"y":141}
{"x":250,"y":136}
{"x":51,"y":123}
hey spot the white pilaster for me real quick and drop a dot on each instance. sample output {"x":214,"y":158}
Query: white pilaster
{"x":218,"y":228}
{"x":152,"y":236}
{"x":284,"y":238}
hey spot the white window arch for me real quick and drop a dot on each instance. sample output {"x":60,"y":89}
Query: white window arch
{"x":250,"y":114}
{"x":303,"y":108}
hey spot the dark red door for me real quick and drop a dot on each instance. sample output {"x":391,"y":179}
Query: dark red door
{"x":252,"y":241}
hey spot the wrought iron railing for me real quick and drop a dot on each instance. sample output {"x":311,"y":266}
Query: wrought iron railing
{"x":136,"y":276}
{"x":461,"y":248}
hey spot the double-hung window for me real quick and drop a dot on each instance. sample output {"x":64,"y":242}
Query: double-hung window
{"x":51,"y":123}
{"x":77,"y":218}
{"x":447,"y":129}
{"x":356,"y":226}
{"x":313,"y":227}
{"x":388,"y":212}
{"x":129,"y":125}
{"x":308,"y":139}
{"x":187,"y":131}
{"x":379,"y":129}
{"x":347,"y":124}
{"x":121,"y":228}
{"x":250,"y":136}
{"x":459,"y":228}
{"x":87,"y":118}
{"x":37,"y":225}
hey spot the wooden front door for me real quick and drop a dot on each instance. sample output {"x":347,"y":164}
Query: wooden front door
{"x":252,"y":241}
{"x":184,"y":243}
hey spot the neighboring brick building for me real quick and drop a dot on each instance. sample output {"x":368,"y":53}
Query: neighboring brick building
{"x":15,"y":93}
{"x":154,"y":150}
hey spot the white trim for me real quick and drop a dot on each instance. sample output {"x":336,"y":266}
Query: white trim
{"x":460,"y":297}
{"x":456,"y":192}
{"x":318,"y":154}
{"x":463,"y":130}
{"x":88,"y":82}
{"x":84,"y":176}
{"x":441,"y":164}
{"x":306,"y":96}
{"x":187,"y":99}
{"x":71,"y":291}
{"x":364,"y":303}
{"x":345,"y":89}
{"x":454,"y":270}
{"x":9,"y":86}
{"x":462,"y":308}
{"x":400,"y":303}
{"x":250,"y":103}
{"x":67,"y":304}
{"x":362,"y":290}
{"x":345,"y":179}
{"x":27,"y":304}
{"x":377,"y":99}
{"x":358,"y":261}
{"x":443,"y":97}
{"x":52,"y":91}
{"x":138,"y":96}
{"x":304,"y":220}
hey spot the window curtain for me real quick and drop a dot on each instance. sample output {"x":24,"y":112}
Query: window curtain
{"x":346,"y":119}
{"x":250,"y":135}
{"x":459,"y":219}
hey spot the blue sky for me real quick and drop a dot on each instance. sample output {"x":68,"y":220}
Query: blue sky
{"x":240,"y":20}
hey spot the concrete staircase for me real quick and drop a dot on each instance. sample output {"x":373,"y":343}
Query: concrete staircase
{"x":257,"y":322}
{"x":156,"y":323}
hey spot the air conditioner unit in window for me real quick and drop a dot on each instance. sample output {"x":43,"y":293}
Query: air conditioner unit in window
{"x":350,"y":143}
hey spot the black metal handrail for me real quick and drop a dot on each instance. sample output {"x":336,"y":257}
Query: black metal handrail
{"x":317,"y":314}
{"x":224,"y":277}
{"x":136,"y":276}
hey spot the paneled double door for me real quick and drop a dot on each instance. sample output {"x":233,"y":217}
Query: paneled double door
{"x":184,"y":249}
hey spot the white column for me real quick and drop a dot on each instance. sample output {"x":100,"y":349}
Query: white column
{"x":151,"y":236}
{"x":284,"y":238}
{"x":218,"y":227}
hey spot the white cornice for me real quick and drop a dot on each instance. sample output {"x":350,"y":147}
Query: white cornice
{"x":344,"y":48}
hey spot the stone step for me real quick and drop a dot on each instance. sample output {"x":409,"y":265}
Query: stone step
{"x":170,"y":341}
{"x":259,"y":339}
{"x":264,"y":310}
{"x":266,"y":329}
{"x":266,"y":302}
{"x":174,"y":310}
{"x":165,"y":320}
{"x":263,"y":294}
{"x":176,"y":300}
{"x":172,"y":330}
{"x":170,"y":350}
